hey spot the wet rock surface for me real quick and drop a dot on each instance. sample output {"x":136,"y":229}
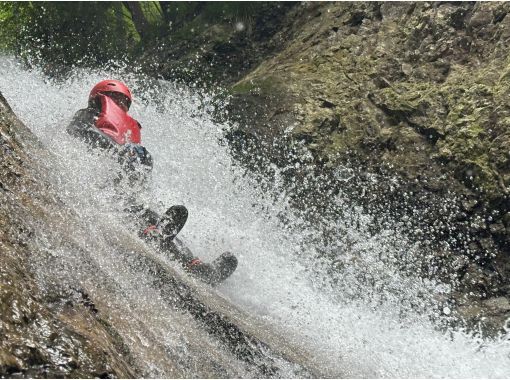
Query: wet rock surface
{"x":40,"y":335}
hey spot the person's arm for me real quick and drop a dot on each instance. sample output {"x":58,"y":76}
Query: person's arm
{"x":136,"y":163}
{"x":135,"y":155}
{"x":83,"y":127}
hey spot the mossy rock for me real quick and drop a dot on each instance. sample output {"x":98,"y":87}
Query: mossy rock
{"x":269,"y":85}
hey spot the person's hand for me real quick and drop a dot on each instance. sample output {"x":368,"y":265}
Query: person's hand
{"x":134,"y":153}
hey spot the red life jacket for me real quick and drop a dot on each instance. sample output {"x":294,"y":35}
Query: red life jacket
{"x":114,"y":122}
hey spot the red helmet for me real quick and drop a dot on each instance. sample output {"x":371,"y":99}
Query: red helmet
{"x":110,"y":85}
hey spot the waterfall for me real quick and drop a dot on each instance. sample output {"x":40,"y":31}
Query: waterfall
{"x":366,"y":319}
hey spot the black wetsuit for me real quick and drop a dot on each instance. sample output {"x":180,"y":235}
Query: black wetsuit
{"x":134,"y":159}
{"x":135,"y":167}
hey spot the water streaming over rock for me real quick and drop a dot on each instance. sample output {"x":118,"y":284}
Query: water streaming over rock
{"x":367,"y":319}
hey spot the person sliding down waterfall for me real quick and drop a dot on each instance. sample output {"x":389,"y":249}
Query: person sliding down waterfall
{"x":106,"y":125}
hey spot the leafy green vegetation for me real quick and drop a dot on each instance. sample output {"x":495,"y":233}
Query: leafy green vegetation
{"x":88,"y":33}
{"x":65,"y":32}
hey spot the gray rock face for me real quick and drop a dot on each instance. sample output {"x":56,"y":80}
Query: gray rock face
{"x":392,"y":10}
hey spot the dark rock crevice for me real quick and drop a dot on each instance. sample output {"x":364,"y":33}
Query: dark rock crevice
{"x":398,"y":116}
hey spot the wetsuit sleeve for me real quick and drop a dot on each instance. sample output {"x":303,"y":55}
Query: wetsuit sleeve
{"x":136,"y":163}
{"x":133,"y":156}
{"x":82,"y":127}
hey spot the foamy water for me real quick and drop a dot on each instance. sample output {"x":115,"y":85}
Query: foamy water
{"x":365,"y":320}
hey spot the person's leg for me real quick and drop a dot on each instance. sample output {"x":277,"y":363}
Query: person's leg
{"x":155,"y":227}
{"x":144,"y":217}
{"x":163,"y":231}
{"x":212,"y":273}
{"x":177,"y":251}
{"x":173,"y":221}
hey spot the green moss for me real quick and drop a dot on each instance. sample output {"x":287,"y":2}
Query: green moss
{"x":268,"y":85}
{"x":426,"y":109}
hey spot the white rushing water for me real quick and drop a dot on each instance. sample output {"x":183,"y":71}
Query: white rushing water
{"x":351,"y":328}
